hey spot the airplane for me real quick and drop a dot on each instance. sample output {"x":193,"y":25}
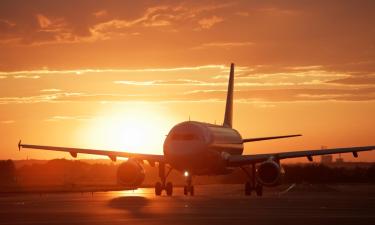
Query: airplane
{"x":196,"y":148}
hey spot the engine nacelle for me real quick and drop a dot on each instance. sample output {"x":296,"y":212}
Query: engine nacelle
{"x":269,"y":173}
{"x":130,"y":174}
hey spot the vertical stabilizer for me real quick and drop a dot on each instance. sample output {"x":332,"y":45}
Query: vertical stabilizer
{"x":229,"y":104}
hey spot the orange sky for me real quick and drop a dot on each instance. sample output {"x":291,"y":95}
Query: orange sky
{"x":83,"y":73}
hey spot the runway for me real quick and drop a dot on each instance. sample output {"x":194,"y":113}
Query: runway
{"x":213,"y":204}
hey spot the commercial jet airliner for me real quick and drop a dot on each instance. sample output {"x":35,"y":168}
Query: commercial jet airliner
{"x":196,"y":148}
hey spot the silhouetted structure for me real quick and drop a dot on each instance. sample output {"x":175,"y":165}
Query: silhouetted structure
{"x":7,"y":173}
{"x":326,"y":159}
{"x":61,"y":172}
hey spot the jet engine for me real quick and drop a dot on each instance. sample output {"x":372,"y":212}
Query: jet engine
{"x":130,"y":174}
{"x":269,"y":173}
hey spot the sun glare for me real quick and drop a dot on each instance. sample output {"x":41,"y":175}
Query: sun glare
{"x":140,"y":129}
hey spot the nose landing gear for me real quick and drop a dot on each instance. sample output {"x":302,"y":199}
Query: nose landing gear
{"x":163,"y":185}
{"x":188,"y":188}
{"x":252,"y":184}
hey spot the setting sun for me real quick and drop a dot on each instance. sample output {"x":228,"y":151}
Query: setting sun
{"x":140,"y":129}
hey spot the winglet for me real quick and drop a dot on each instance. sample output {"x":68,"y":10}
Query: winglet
{"x":19,"y":145}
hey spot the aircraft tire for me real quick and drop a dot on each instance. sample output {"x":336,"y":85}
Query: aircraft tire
{"x":259,"y":190}
{"x":158,"y":188}
{"x":191,"y":190}
{"x":247,"y":188}
{"x":169,"y":188}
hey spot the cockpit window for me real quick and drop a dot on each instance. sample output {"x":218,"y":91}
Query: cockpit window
{"x":184,"y":136}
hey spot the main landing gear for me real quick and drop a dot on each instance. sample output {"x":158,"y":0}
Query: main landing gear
{"x":163,"y":185}
{"x":188,"y":188}
{"x":252,"y":184}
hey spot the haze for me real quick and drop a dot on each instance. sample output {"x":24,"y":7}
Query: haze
{"x":118,"y":75}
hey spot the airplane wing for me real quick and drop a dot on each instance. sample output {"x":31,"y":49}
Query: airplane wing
{"x":113,"y":155}
{"x":240,"y":160}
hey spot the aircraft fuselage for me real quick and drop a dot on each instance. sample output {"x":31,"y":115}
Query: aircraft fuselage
{"x":200,"y":148}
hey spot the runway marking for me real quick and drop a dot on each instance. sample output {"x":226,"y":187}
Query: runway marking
{"x":287,"y":190}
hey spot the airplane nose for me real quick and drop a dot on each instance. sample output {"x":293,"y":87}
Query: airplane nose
{"x":182,"y":156}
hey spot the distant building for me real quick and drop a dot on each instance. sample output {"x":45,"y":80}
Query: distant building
{"x":340,"y":159}
{"x":326,"y":159}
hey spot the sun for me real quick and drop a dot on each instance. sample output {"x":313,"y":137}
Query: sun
{"x":139,"y":129}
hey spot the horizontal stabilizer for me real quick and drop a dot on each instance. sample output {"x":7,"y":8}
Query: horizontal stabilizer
{"x":268,"y":138}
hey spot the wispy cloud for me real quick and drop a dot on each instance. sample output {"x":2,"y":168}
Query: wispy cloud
{"x":100,"y":13}
{"x":50,"y":90}
{"x":26,"y":77}
{"x":186,"y":82}
{"x":289,"y":95}
{"x":356,"y":80}
{"x":7,"y":121}
{"x":207,"y":23}
{"x":65,"y":118}
{"x":37,"y":99}
{"x":103,"y":24}
{"x":309,"y":67}
{"x":87,"y":71}
{"x":226,"y":45}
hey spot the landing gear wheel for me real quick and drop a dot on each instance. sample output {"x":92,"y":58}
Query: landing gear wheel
{"x":248,"y":188}
{"x":191,"y":190}
{"x":158,"y":188}
{"x":169,"y":188}
{"x":259,"y":190}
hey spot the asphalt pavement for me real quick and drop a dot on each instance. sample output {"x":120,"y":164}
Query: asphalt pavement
{"x":213,"y":204}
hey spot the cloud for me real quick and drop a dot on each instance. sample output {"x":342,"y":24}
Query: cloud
{"x":294,"y":83}
{"x":50,"y":90}
{"x":157,"y":16}
{"x":7,"y":121}
{"x":242,"y":13}
{"x":47,"y":98}
{"x":26,"y":77}
{"x":289,"y":95}
{"x":356,"y":80}
{"x":6,"y":24}
{"x":187,"y":82}
{"x":66,"y":118}
{"x":43,"y":21}
{"x":50,"y":30}
{"x":100,"y":13}
{"x":226,"y":45}
{"x":49,"y":23}
{"x":87,"y":71}
{"x":309,"y":67}
{"x":207,"y":23}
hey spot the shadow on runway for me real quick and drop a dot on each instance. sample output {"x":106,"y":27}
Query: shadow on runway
{"x":133,"y":204}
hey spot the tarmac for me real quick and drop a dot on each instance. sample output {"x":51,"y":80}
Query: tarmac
{"x":212,"y":204}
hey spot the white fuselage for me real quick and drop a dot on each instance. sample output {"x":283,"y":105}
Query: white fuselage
{"x":199,"y":148}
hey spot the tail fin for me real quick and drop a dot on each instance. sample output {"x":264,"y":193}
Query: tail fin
{"x":229,"y":104}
